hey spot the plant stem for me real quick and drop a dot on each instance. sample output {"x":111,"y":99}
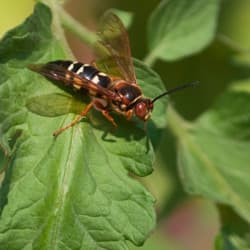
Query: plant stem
{"x":57,"y":26}
{"x":77,"y":28}
{"x":231,"y":43}
{"x":150,"y":59}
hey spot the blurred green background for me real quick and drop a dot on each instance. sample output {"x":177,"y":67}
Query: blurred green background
{"x":189,"y":223}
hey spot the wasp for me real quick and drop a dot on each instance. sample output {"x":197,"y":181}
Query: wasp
{"x":114,"y":88}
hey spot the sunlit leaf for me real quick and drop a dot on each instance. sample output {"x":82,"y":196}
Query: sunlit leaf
{"x":178,"y":28}
{"x":73,"y":191}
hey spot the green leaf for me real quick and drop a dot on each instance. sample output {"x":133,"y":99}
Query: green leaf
{"x":214,"y":154}
{"x":230,"y":241}
{"x":234,"y":234}
{"x":178,"y":28}
{"x":73,"y":191}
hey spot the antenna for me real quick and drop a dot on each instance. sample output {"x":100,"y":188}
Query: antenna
{"x":171,"y":91}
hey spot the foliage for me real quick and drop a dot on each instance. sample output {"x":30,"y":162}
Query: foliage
{"x":76,"y":191}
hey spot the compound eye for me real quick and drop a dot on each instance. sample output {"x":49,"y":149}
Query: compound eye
{"x":141,"y":110}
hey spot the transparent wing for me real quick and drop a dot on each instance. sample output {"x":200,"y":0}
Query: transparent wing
{"x":55,"y":104}
{"x":113,"y":50}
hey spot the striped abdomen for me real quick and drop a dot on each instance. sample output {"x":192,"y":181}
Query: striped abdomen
{"x":85,"y":71}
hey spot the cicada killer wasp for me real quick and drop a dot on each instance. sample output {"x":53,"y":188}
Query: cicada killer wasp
{"x":114,"y":87}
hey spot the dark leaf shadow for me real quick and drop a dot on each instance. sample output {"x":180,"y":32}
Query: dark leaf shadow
{"x":57,"y":104}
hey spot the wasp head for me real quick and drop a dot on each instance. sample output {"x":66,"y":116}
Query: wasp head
{"x":143,"y":108}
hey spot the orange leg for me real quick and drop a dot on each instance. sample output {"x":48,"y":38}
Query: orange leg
{"x":76,"y":120}
{"x":129,"y":114}
{"x":106,"y":114}
{"x":99,"y":106}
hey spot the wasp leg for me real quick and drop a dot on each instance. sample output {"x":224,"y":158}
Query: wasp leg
{"x":76,"y":120}
{"x":106,"y":114}
{"x":99,"y":106}
{"x":129,"y":114}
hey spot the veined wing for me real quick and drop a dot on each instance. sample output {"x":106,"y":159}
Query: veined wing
{"x":59,"y":73}
{"x":113,"y":50}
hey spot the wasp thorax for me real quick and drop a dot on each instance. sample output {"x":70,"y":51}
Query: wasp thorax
{"x":143,"y":109}
{"x":128,"y":92}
